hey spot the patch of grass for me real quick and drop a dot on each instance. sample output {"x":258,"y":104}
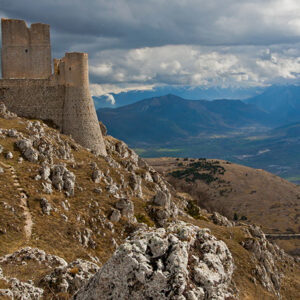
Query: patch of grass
{"x":193,"y":210}
{"x":168,"y":150}
{"x":142,"y":218}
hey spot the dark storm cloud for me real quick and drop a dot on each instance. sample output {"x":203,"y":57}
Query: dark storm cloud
{"x":248,"y":38}
{"x":136,"y":23}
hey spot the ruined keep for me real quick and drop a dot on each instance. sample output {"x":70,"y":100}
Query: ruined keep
{"x":30,"y":89}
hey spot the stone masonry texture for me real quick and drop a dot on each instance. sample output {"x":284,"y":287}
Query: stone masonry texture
{"x":29,"y":89}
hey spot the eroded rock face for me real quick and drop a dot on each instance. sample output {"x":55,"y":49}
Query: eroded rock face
{"x":180,"y":262}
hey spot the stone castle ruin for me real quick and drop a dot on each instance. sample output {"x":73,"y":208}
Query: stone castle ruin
{"x":30,"y":89}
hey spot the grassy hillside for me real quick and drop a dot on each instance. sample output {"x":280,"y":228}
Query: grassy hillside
{"x":239,"y":192}
{"x":81,"y":226}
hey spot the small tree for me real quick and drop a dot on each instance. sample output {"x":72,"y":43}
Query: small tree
{"x":235,"y":217}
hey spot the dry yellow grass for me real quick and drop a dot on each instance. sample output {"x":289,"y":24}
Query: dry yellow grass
{"x":262,"y":197}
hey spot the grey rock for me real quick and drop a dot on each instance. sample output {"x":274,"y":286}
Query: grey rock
{"x":45,"y":172}
{"x":72,"y":277}
{"x":103,"y":128}
{"x":220,"y":220}
{"x":126,"y":207}
{"x":97,"y":175}
{"x":115,"y":215}
{"x":47,"y":188}
{"x":4,"y":113}
{"x":63,"y":179}
{"x":135,"y":182}
{"x":9,"y":155}
{"x":12,"y":133}
{"x":45,"y":206}
{"x":157,"y":264}
{"x":162,"y":198}
{"x":27,"y":150}
{"x":265,"y":256}
{"x":98,"y":190}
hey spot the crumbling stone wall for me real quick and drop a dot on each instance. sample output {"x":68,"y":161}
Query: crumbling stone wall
{"x":26,"y":52}
{"x":30,"y":90}
{"x":34,"y":98}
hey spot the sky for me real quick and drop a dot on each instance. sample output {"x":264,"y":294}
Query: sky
{"x":141,"y":44}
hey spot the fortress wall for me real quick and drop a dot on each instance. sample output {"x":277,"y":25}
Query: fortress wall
{"x":26,"y":52}
{"x":30,"y":90}
{"x":79,"y":115}
{"x":34,"y":98}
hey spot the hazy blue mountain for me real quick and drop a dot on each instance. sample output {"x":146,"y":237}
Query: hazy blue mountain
{"x":288,"y":131}
{"x":187,"y":92}
{"x":282,"y":102}
{"x":170,"y":118}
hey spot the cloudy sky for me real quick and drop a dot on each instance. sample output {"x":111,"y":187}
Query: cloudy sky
{"x":138,"y":44}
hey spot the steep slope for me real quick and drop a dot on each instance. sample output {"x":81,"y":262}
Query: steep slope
{"x":282,"y":102}
{"x":252,"y":195}
{"x":64,"y":211}
{"x":170,"y":117}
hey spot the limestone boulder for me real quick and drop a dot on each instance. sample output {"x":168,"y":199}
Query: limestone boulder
{"x":27,"y":150}
{"x":180,"y":262}
{"x":97,"y":175}
{"x":5,"y":113}
{"x":45,"y":206}
{"x":126,"y":207}
{"x":221,"y":220}
{"x":63,"y":179}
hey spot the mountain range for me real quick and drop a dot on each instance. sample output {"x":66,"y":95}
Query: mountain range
{"x":161,"y":119}
{"x":281,"y":102}
{"x":187,"y":92}
{"x":258,"y":132}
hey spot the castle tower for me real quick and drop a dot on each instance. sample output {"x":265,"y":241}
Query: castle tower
{"x":29,"y":88}
{"x":26,"y":52}
{"x":79,"y":114}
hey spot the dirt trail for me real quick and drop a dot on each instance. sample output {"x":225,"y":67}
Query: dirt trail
{"x":23,"y":200}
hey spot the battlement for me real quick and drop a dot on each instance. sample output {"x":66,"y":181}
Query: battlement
{"x":29,"y":88}
{"x":72,"y":69}
{"x":26,"y":52}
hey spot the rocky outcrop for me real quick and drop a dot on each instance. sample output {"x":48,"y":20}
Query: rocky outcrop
{"x":63,"y":179}
{"x":103,"y":129}
{"x":17,"y":289}
{"x":26,"y":148}
{"x":45,"y":206}
{"x":4,"y":113}
{"x":266,"y":256}
{"x":221,"y":220}
{"x":180,"y":262}
{"x":69,"y":279}
{"x":21,"y":290}
{"x":64,"y":278}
